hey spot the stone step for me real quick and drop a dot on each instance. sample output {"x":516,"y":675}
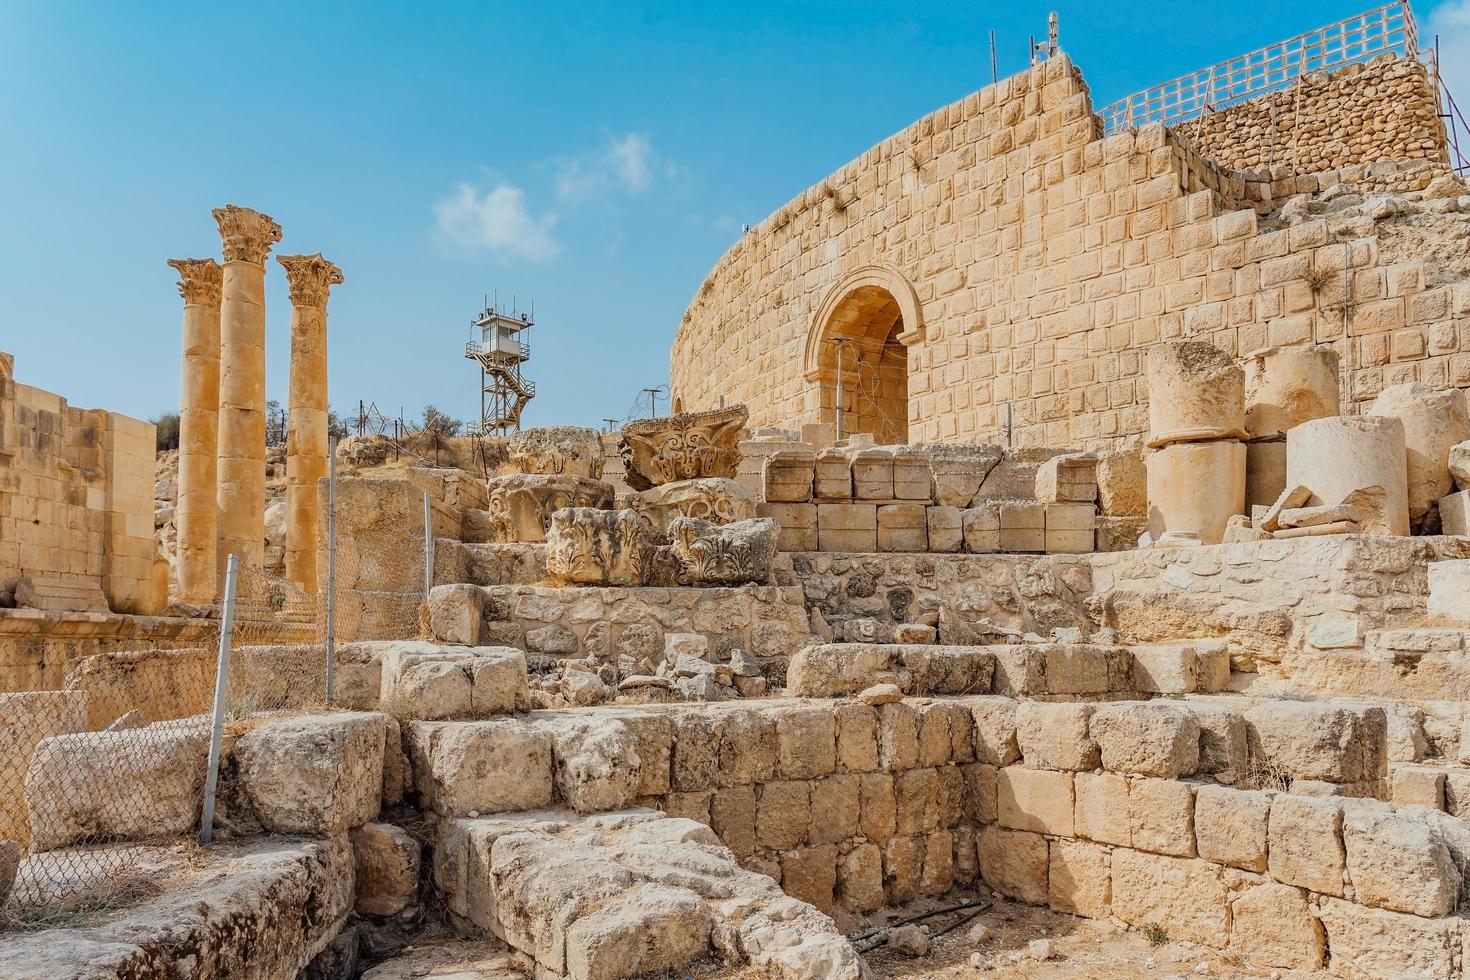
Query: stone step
{"x":627,"y":893}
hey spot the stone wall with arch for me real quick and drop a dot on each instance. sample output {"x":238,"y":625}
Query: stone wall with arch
{"x":1032,"y":261}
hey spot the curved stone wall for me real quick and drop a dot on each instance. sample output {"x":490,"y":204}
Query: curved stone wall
{"x":1000,"y":267}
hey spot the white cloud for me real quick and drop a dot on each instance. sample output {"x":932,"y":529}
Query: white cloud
{"x":625,"y":163}
{"x":632,"y":156}
{"x":498,"y":221}
{"x":1451,"y":21}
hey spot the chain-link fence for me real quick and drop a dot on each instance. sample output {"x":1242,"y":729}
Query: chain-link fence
{"x":97,"y":776}
{"x":111,"y":763}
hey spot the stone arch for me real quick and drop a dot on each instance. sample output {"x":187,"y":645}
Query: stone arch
{"x":875,"y":310}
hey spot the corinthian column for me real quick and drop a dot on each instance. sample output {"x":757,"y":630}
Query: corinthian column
{"x":311,"y":278}
{"x":247,"y":236}
{"x":199,"y":284}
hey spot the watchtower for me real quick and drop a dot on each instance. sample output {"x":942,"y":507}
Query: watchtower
{"x":503,"y":345}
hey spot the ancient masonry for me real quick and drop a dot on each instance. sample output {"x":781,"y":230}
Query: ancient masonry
{"x":1177,"y":647}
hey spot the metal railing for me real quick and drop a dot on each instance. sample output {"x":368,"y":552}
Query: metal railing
{"x":1387,"y":29}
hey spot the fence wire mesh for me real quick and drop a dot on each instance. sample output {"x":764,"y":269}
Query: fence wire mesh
{"x":92,"y":772}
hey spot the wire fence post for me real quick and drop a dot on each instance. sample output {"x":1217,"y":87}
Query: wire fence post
{"x":330,"y":640}
{"x":221,"y":691}
{"x":428,"y":547}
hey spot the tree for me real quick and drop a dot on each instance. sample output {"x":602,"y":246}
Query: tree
{"x":437,"y":423}
{"x":275,"y":423}
{"x":336,"y":428}
{"x":167,"y":425}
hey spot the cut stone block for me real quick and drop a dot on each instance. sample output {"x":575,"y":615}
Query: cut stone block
{"x":1230,"y":826}
{"x":902,"y":527}
{"x":788,"y":474}
{"x":946,"y":533}
{"x":1068,"y":478}
{"x":1305,"y":843}
{"x":1186,"y":896}
{"x":1397,"y":862}
{"x":833,"y":479}
{"x":1022,"y":526}
{"x":847,"y":527}
{"x":1449,"y":590}
{"x":1146,"y":738}
{"x":1014,"y":863}
{"x":1310,"y":740}
{"x":1070,"y":528}
{"x":980,"y":527}
{"x":316,"y":774}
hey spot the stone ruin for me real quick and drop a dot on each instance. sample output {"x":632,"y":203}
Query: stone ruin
{"x":704,"y":696}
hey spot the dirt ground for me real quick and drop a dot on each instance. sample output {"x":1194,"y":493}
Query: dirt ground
{"x":1082,"y":949}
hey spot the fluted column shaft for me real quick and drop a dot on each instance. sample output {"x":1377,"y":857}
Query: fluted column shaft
{"x":247,"y":237}
{"x":195,"y":514}
{"x":311,"y":278}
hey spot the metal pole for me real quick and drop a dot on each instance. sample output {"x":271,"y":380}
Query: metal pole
{"x":839,"y":342}
{"x":428,"y":547}
{"x":331,"y":638}
{"x":994,"y":73}
{"x":221,"y":691}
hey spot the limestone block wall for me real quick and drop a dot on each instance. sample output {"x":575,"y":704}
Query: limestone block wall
{"x":1380,"y":110}
{"x":76,"y":497}
{"x":1151,"y":812}
{"x":1022,"y":263}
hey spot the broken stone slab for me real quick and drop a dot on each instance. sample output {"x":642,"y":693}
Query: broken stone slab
{"x":685,"y":446}
{"x":265,"y":908}
{"x":1338,"y":455}
{"x":958,"y":471}
{"x":1434,"y":422}
{"x":880,"y":694}
{"x":718,"y":501}
{"x":520,"y":506}
{"x":1317,"y":530}
{"x":729,"y":554}
{"x":557,"y":450}
{"x":93,"y":787}
{"x":599,"y":547}
{"x":319,"y":775}
{"x":1322,"y":514}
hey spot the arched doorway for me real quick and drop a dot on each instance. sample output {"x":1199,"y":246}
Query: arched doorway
{"x":857,"y":349}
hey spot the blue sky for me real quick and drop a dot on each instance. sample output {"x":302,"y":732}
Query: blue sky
{"x":597,"y":157}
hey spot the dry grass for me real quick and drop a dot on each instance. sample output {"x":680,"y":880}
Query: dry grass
{"x":85,"y":908}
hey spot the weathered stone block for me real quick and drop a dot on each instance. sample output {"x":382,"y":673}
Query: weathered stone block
{"x":995,"y":730}
{"x":316,"y":774}
{"x":1305,"y":843}
{"x":946,"y":532}
{"x":1397,"y":862}
{"x":1161,"y":816}
{"x":485,"y":766}
{"x":93,"y":787}
{"x":1147,"y":738}
{"x":387,"y":858}
{"x":1101,"y":810}
{"x":1275,"y":925}
{"x":1022,"y":526}
{"x":1014,"y":863}
{"x":1055,"y":736}
{"x":1186,"y":896}
{"x":1038,"y":800}
{"x":847,"y":527}
{"x":1230,"y":826}
{"x":1309,"y":740}
{"x":1381,"y":943}
{"x":1079,"y":880}
{"x":787,"y":475}
{"x":902,"y":527}
{"x":980,"y":527}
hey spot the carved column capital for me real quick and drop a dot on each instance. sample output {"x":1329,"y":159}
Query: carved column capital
{"x":247,"y":235}
{"x":199,"y":280}
{"x":311,"y":278}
